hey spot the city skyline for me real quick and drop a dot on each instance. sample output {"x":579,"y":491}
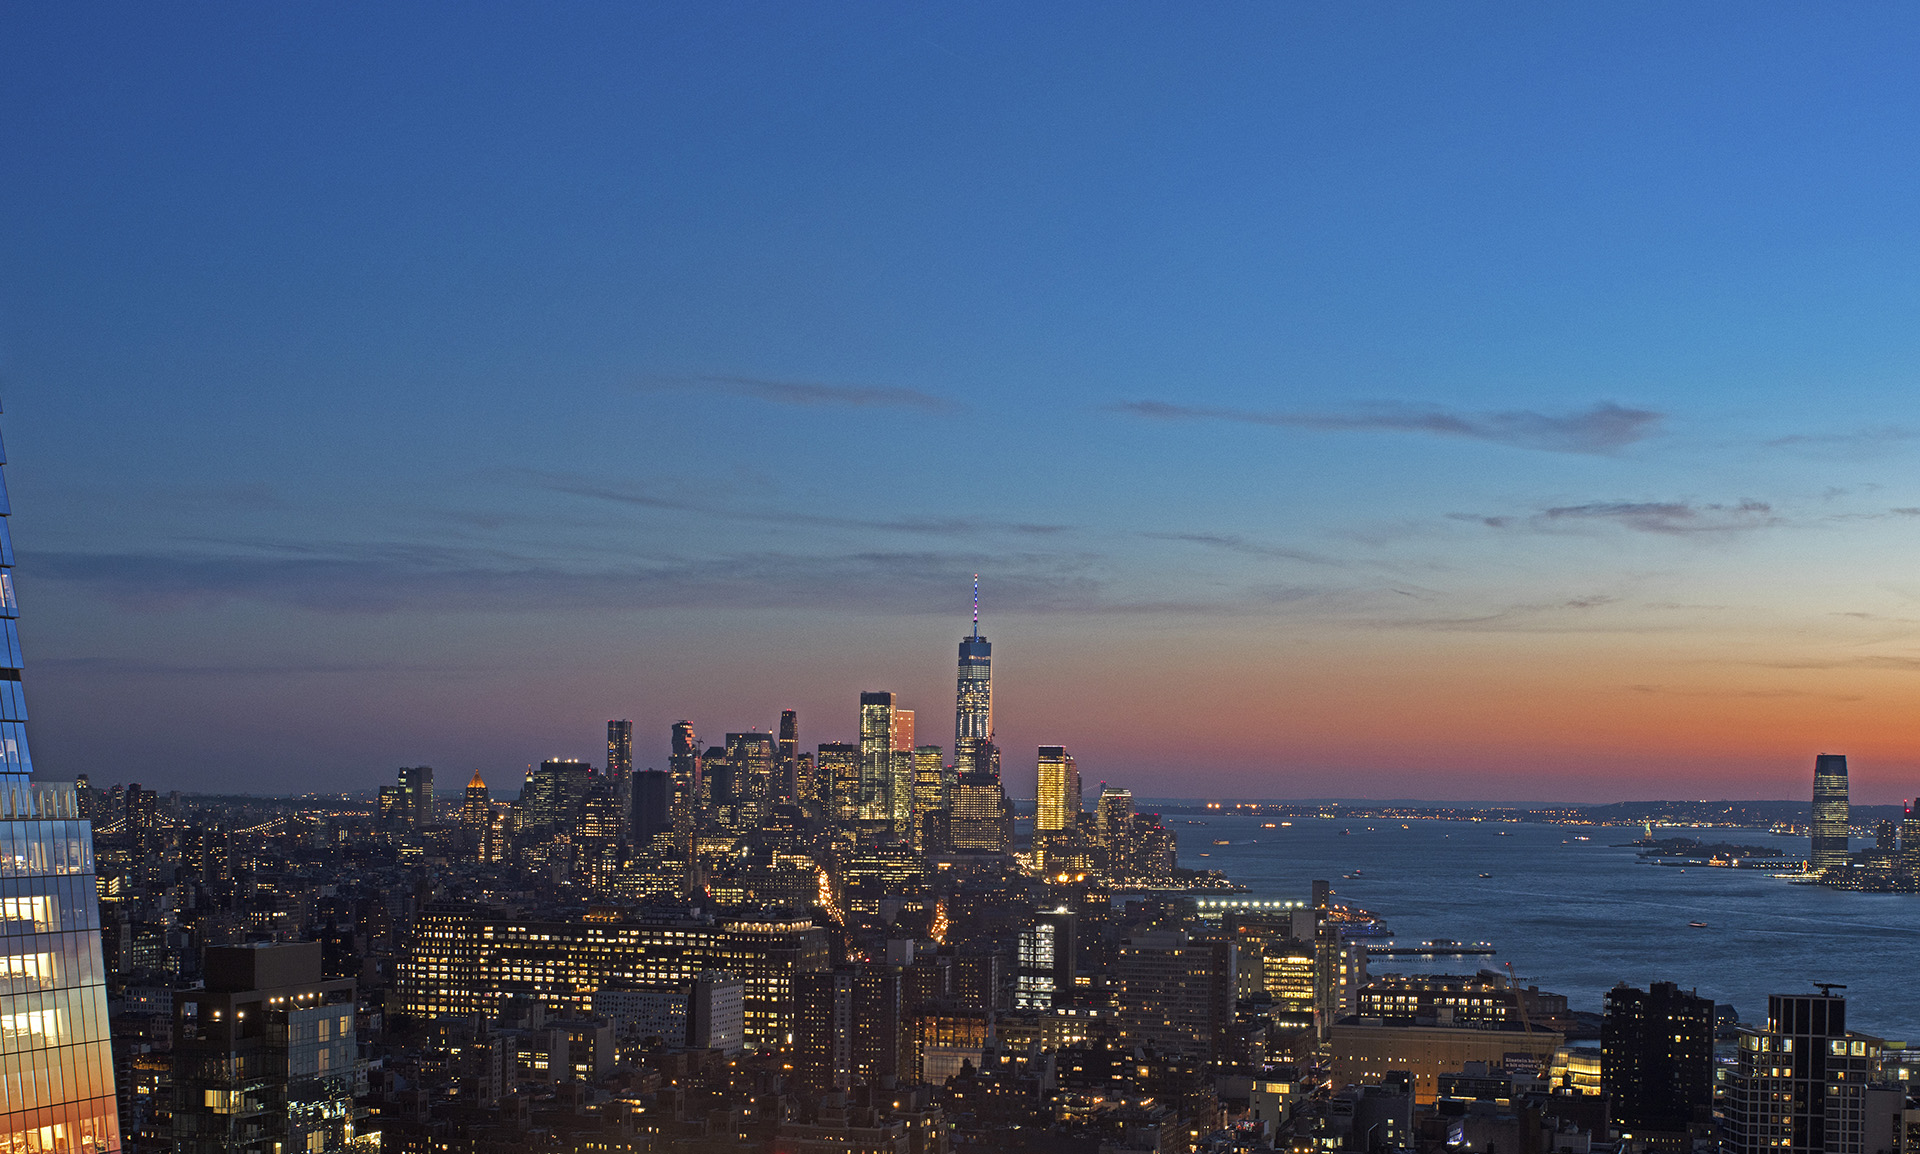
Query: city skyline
{"x":1492,"y":406}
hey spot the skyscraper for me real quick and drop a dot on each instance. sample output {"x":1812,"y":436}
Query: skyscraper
{"x":58,"y":1088}
{"x":477,"y":814}
{"x":753,"y":758}
{"x":1113,"y":816}
{"x":476,"y":818}
{"x":620,"y":770}
{"x":652,"y":813}
{"x":876,"y":756}
{"x":973,"y":697}
{"x":837,"y":766}
{"x":1059,"y":791}
{"x":929,"y":790}
{"x":619,"y":751}
{"x":1656,"y":1061}
{"x":1800,"y":1085}
{"x":416,"y":782}
{"x":1829,"y":812}
{"x":788,"y":787}
{"x":901,"y":774}
{"x":684,"y":766}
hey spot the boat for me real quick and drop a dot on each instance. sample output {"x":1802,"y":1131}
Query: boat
{"x":1486,"y":875}
{"x":1581,"y":837}
{"x":1503,"y":833}
{"x":1346,"y":833}
{"x":1268,"y":825}
{"x":1218,"y":842}
{"x":1698,"y":925}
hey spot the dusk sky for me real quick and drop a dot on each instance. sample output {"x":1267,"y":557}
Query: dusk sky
{"x":1441,"y":401}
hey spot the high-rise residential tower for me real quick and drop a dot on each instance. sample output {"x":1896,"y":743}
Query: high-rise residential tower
{"x":1829,"y":850}
{"x":57,"y":1093}
{"x":876,"y":756}
{"x":900,"y":775}
{"x":788,"y":787}
{"x":1058,"y":805}
{"x":619,"y":751}
{"x":973,"y":698}
{"x":1800,"y":1085}
{"x":1656,"y":1063}
{"x":684,"y":766}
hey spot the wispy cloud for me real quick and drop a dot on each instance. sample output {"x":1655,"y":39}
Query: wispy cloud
{"x":1863,"y":661}
{"x":95,"y":667}
{"x":632,"y":496}
{"x":1860,"y":441}
{"x":1604,"y":428}
{"x":376,"y":580}
{"x":809,"y":394}
{"x":1666,"y":691}
{"x":1233,"y":543}
{"x":1671,"y":517}
{"x":383,"y":579}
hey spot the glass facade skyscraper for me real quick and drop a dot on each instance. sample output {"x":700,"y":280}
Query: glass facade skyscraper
{"x":1830,"y":817}
{"x":973,"y":697}
{"x":56,"y":1061}
{"x":876,"y":756}
{"x":1058,"y":780}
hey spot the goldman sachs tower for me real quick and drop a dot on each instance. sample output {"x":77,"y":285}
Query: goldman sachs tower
{"x":56,"y":1080}
{"x":973,"y":750}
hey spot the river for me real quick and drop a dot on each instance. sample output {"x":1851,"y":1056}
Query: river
{"x":1577,"y":917}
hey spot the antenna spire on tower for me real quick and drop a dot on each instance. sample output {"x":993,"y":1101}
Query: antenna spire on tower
{"x":976,"y":606}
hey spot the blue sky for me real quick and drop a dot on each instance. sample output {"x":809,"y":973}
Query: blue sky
{"x":1465,"y":400}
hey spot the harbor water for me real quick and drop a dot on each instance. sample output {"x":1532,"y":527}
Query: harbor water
{"x":1577,"y":917}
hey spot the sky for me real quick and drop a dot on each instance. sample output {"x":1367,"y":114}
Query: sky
{"x":1445,"y":401}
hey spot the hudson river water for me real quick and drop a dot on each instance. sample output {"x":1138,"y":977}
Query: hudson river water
{"x":1577,"y":917}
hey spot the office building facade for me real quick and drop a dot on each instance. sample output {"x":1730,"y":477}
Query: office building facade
{"x":467,"y":960}
{"x":1058,"y":806}
{"x":56,"y":1066}
{"x":416,"y":783}
{"x":1830,"y":813}
{"x":973,"y":698}
{"x":875,"y":802}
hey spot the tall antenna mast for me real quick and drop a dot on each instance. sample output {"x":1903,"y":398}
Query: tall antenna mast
{"x":976,"y":606}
